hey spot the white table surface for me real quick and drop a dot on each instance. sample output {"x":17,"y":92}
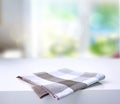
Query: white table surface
{"x":10,"y":68}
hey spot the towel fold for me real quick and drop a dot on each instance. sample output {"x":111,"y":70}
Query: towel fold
{"x":60,"y":83}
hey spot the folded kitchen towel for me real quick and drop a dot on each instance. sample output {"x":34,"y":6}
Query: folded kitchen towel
{"x":60,"y":83}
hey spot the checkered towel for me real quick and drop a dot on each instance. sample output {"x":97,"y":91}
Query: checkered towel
{"x":60,"y":83}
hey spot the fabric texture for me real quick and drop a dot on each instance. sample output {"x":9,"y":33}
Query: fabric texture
{"x":60,"y":83}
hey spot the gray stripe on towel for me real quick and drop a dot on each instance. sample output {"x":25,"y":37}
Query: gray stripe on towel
{"x":72,"y":84}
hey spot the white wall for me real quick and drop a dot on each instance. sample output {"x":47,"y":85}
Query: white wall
{"x":11,"y":23}
{"x":0,"y":11}
{"x":12,"y":14}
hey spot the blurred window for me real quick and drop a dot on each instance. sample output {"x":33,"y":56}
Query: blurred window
{"x":104,"y":26}
{"x":60,"y":28}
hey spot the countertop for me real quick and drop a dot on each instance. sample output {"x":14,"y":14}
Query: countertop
{"x":10,"y":68}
